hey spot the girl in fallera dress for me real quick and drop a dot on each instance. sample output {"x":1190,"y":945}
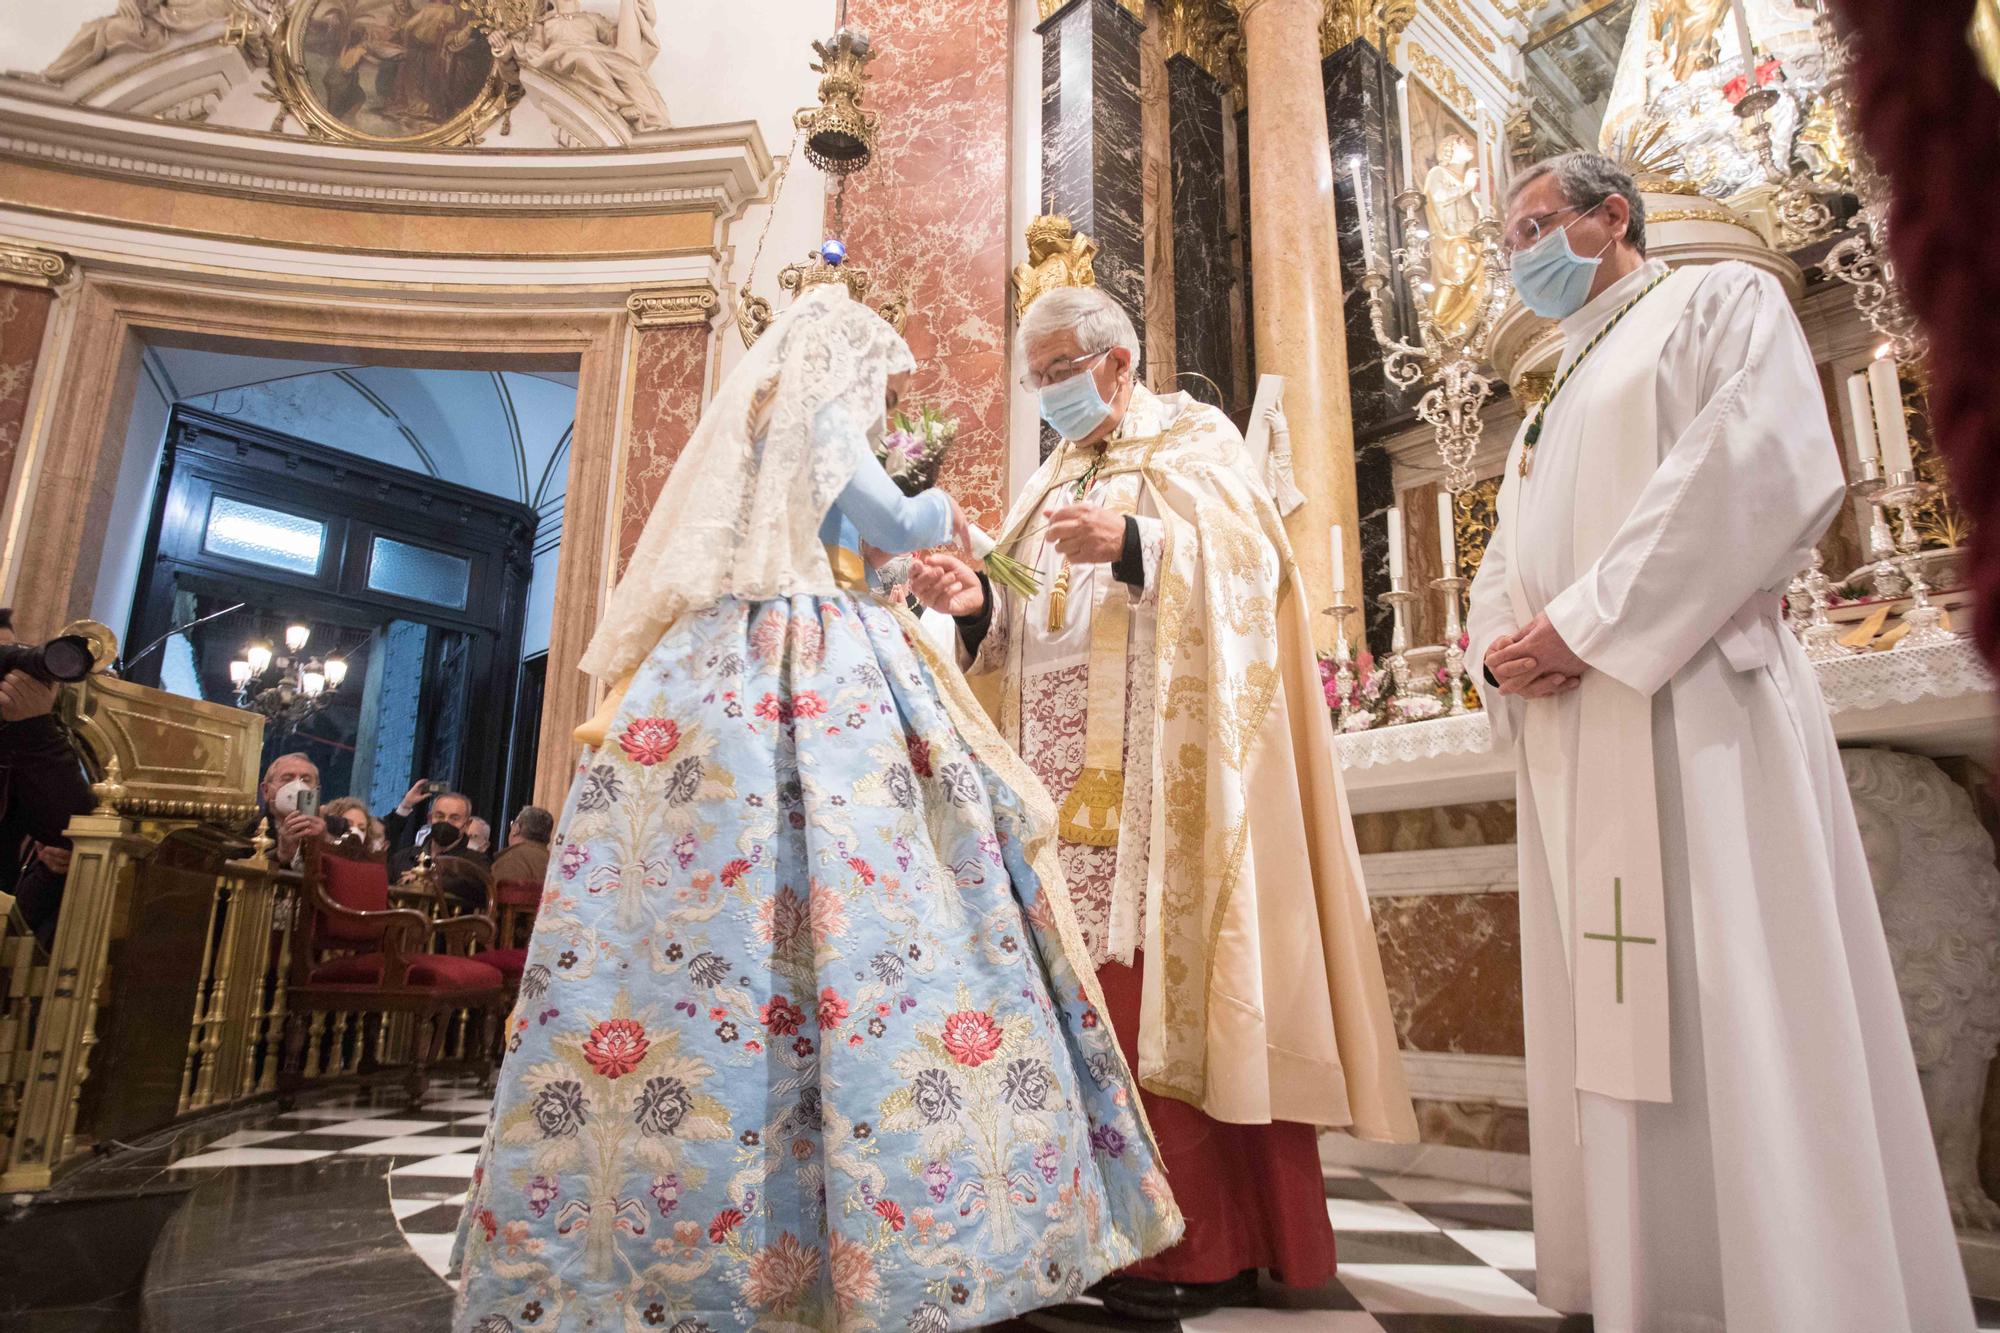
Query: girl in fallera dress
{"x":805,"y":1039}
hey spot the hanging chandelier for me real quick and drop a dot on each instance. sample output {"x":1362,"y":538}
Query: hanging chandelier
{"x":286,"y":690}
{"x":838,"y":137}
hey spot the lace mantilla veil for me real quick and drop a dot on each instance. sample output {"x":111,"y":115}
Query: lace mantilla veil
{"x":739,"y":516}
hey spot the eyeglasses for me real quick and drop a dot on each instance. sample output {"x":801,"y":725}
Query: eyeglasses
{"x":1529,"y":230}
{"x":1067,"y":369}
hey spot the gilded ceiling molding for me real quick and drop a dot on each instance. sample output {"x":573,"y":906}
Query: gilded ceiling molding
{"x":1463,"y":23}
{"x":26,"y":266}
{"x":673,"y":307}
{"x":1206,"y":32}
{"x":1381,"y":22}
{"x":1047,"y":8}
{"x":1444,"y":81}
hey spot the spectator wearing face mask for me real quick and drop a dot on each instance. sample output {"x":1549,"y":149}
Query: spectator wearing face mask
{"x":289,"y":797}
{"x":527,"y":856}
{"x":363,"y":831}
{"x":445,"y":834}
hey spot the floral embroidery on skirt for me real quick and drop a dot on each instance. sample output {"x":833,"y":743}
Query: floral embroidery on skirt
{"x":797,"y":1046}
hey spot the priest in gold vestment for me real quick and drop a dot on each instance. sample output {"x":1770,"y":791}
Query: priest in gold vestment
{"x":1162,"y":684}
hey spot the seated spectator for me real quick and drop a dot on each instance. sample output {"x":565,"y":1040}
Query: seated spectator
{"x":285,"y":788}
{"x":526,"y":857}
{"x":42,"y":784}
{"x":479,"y":836}
{"x":451,"y":808}
{"x":363,"y":831}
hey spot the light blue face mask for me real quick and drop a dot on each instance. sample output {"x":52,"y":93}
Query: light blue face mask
{"x":1552,"y":279}
{"x":1073,"y":407}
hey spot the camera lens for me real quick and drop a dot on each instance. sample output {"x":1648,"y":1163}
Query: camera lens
{"x":68,"y":658}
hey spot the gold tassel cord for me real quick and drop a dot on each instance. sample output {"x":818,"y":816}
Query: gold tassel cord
{"x":1059,"y":601}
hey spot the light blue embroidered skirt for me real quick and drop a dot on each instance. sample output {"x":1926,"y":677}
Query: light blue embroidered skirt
{"x":797,"y":1045}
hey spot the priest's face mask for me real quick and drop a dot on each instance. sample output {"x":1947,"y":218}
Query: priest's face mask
{"x":1082,"y":395}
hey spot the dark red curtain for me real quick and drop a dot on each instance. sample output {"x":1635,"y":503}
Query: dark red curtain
{"x":1932,"y":121}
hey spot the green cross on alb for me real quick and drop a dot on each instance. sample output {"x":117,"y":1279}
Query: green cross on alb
{"x":1618,"y":936}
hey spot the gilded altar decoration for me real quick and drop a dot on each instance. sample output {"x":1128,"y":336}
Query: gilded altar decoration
{"x":24,"y":265}
{"x":1058,"y":256}
{"x":1682,"y":74}
{"x":407,"y":73}
{"x":840,"y":135}
{"x":1475,"y":512}
{"x":1458,"y":267}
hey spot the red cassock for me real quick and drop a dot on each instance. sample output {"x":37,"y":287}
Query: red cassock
{"x":1253,"y":1195}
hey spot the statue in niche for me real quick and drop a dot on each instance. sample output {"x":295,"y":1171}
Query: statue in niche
{"x":1058,"y":256}
{"x":1932,"y":863}
{"x":1451,"y":211}
{"x":138,"y":25}
{"x":610,"y":60}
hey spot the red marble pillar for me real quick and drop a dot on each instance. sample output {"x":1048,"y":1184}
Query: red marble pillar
{"x":928,"y":217}
{"x":24,"y":315}
{"x":669,"y":370}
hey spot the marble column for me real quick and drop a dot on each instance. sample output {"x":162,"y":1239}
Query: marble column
{"x":1300,"y":325}
{"x":1092,"y":139}
{"x":1245,"y":314}
{"x":929,"y":220}
{"x":27,"y":296}
{"x":1204,"y":271}
{"x":671,"y":340}
{"x":1363,"y":122}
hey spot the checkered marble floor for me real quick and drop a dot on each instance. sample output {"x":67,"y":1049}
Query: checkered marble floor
{"x":1417,"y":1255}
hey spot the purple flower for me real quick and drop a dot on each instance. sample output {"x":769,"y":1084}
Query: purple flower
{"x":938,"y":1177}
{"x":666,"y":1192}
{"x":1048,"y":1161}
{"x":542,"y":1192}
{"x":684,"y":849}
{"x":1108,"y":1141}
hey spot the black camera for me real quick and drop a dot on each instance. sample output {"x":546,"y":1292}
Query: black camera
{"x":65,"y":658}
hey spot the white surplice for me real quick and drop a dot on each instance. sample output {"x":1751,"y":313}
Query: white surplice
{"x":1790,"y":1185}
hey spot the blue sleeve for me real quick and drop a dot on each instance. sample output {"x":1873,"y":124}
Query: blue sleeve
{"x":887,"y":519}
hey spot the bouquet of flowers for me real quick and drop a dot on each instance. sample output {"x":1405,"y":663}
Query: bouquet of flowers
{"x":912,"y":453}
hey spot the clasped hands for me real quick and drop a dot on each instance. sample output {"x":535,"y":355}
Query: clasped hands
{"x":948,"y":581}
{"x":1534,"y":662}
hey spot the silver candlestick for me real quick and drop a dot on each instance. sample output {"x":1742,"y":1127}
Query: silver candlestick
{"x":1343,"y":660}
{"x":1820,"y":635}
{"x":1409,"y":705}
{"x":1452,"y":586}
{"x":1888,"y":584}
{"x":1924,"y":620}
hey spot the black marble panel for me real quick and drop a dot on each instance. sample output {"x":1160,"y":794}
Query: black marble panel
{"x":1242,"y":186}
{"x":1375,"y":492}
{"x":1204,"y":267}
{"x":1091,"y":140}
{"x":1362,"y":121}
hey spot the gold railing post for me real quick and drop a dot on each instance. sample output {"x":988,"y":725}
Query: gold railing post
{"x":66,"y":1024}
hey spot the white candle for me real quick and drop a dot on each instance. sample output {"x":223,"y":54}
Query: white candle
{"x":1447,"y":539}
{"x":1339,"y":564}
{"x":1361,"y":212}
{"x":1888,"y":396}
{"x":1865,"y":447}
{"x":1395,"y":548}
{"x":1743,"y":40}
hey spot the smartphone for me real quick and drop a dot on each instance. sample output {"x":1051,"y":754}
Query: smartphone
{"x":434,"y":789}
{"x":307,"y":802}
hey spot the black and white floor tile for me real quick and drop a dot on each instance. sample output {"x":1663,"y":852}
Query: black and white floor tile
{"x":339,"y":1217}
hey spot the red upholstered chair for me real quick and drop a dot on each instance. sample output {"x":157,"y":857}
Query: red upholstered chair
{"x":352,"y":952}
{"x":513,"y":904}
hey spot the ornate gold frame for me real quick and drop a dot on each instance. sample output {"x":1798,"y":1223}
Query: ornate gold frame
{"x":293,"y":91}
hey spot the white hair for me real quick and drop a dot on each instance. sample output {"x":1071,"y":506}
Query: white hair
{"x":1092,"y":313}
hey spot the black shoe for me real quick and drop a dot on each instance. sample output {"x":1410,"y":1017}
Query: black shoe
{"x":1138,"y":1298}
